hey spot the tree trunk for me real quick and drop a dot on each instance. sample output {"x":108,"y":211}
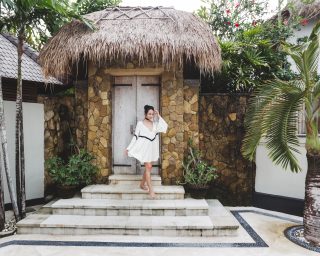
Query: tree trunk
{"x":23,"y":184}
{"x":311,"y":214}
{"x":20,"y":170}
{"x":4,"y":146}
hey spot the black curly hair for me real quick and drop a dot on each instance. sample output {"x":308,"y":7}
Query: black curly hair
{"x":147,"y":108}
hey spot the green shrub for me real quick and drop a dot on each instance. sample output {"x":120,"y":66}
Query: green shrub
{"x":78,"y":171}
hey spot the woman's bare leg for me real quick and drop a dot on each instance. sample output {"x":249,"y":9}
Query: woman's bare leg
{"x":148,"y":179}
{"x":143,"y":182}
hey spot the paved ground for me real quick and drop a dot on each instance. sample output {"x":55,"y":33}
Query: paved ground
{"x":261,"y":233}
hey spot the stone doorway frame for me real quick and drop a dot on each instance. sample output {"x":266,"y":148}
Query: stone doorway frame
{"x":178,"y":106}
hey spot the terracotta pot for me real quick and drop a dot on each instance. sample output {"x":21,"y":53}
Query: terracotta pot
{"x":65,"y":191}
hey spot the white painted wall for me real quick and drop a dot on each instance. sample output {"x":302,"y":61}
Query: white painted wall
{"x":304,"y":31}
{"x":272,"y":179}
{"x":33,"y":115}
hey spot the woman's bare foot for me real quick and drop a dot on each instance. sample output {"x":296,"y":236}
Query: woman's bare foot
{"x":152,"y":194}
{"x":144,"y":187}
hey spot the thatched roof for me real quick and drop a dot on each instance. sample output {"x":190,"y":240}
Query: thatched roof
{"x":160,"y":33}
{"x":298,"y":8}
{"x":308,"y":11}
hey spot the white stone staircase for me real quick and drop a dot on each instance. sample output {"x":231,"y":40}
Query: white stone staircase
{"x":122,"y":208}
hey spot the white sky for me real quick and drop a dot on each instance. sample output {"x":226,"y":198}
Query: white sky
{"x":185,"y":5}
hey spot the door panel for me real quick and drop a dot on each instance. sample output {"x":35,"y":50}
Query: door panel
{"x":130,"y":94}
{"x":124,"y":116}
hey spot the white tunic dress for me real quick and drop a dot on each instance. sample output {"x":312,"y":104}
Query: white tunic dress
{"x":144,"y":145}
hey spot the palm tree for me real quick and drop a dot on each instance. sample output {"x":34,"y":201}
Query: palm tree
{"x":24,"y":17}
{"x":4,"y":147}
{"x":272,"y":114}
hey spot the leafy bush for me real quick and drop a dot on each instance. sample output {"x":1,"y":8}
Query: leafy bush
{"x":78,"y":171}
{"x":196,"y":172}
{"x":252,"y":58}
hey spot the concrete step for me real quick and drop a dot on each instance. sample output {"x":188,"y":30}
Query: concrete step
{"x":218,"y":222}
{"x":129,"y":192}
{"x":132,"y":179}
{"x":118,"y":225}
{"x":222,"y":219}
{"x":114,"y":207}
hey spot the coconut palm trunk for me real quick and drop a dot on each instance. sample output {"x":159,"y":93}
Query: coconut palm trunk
{"x":4,"y":147}
{"x":20,"y":170}
{"x":311,"y":214}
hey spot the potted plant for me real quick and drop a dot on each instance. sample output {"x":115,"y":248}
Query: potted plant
{"x":197,"y":174}
{"x":78,"y":171}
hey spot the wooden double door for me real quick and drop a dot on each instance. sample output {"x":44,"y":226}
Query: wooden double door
{"x":130,"y":94}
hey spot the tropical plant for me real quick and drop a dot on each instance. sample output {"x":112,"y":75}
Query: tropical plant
{"x":82,"y":164}
{"x":79,"y":169}
{"x":4,"y":147}
{"x":228,"y":17}
{"x":196,"y":172}
{"x":49,"y":21}
{"x":250,"y":48}
{"x":248,"y":60}
{"x":24,"y":18}
{"x":54,"y":21}
{"x":87,"y":6}
{"x":272,"y":115}
{"x":5,"y":154}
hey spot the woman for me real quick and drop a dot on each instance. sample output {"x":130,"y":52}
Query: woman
{"x":144,"y":145}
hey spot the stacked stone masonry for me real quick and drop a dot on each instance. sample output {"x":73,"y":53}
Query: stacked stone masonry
{"x":214,"y":122}
{"x":64,"y":123}
{"x":221,"y":123}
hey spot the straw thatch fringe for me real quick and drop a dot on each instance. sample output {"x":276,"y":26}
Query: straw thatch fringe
{"x":162,"y":34}
{"x":308,"y":11}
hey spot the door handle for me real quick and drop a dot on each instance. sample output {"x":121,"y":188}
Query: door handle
{"x":131,"y":128}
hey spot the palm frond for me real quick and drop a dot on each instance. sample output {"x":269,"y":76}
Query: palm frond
{"x":7,"y":3}
{"x":255,"y":116}
{"x":294,"y":51}
{"x":281,"y":122}
{"x":256,"y":58}
{"x":272,"y":114}
{"x":316,"y":89}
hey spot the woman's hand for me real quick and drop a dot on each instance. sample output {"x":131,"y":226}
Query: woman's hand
{"x":126,"y":152}
{"x":156,"y":112}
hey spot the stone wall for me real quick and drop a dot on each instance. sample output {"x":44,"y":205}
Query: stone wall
{"x":64,"y":124}
{"x":56,"y":129}
{"x":172,"y":108}
{"x":191,"y":111}
{"x":100,"y":120}
{"x":81,"y":113}
{"x":221,"y":119}
{"x":179,"y":100}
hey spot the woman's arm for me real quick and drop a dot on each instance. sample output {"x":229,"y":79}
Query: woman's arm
{"x":161,"y":125}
